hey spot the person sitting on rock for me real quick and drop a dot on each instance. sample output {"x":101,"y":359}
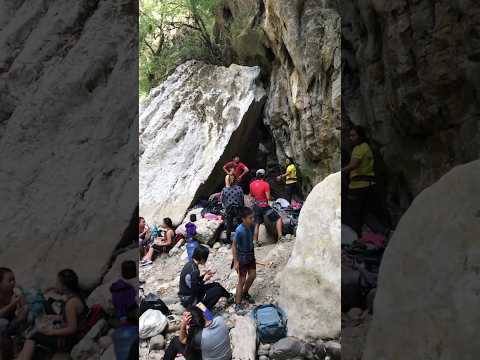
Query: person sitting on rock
{"x":239,"y":169}
{"x":202,"y":337}
{"x":143,"y":236}
{"x":232,"y":199}
{"x":194,"y":287}
{"x":244,"y":257}
{"x":290,"y":177}
{"x":162,"y":244}
{"x":13,"y":312}
{"x":260,"y":193}
{"x":63,"y":333}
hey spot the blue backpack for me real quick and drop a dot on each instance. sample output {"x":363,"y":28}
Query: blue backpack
{"x":271,"y":323}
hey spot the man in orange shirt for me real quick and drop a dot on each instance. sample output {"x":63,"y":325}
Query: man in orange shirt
{"x":260,"y":192}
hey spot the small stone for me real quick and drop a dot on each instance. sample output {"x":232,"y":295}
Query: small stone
{"x":333,"y":349}
{"x":263,"y":357}
{"x":157,"y":343}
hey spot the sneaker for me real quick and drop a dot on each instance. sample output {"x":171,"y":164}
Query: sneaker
{"x":230,"y":299}
{"x":238,"y":309}
{"x":249,"y":298}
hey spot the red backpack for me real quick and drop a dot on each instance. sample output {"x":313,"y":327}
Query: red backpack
{"x":93,"y":315}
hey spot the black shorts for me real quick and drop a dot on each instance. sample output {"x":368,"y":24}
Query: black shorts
{"x":260,"y":212}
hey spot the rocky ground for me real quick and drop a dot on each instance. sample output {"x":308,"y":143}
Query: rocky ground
{"x":162,"y":278}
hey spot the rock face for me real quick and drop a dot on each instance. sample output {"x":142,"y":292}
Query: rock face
{"x":297,"y":44}
{"x":304,"y":101}
{"x":244,"y":339}
{"x":440,"y":282}
{"x":67,"y":81}
{"x":190,"y":126}
{"x":411,"y":78}
{"x":315,"y":265}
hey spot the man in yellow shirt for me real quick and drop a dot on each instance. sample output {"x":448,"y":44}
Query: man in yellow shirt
{"x":290,"y":179}
{"x":361,"y":197}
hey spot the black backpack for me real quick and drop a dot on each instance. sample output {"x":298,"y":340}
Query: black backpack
{"x":152,"y":301}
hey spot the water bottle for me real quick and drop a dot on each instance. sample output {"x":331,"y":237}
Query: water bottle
{"x":191,"y":246}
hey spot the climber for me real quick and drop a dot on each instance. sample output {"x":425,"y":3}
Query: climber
{"x":260,"y":193}
{"x":63,"y":333}
{"x":291,"y":185}
{"x":232,"y":199}
{"x":162,"y":244}
{"x":194,"y":287}
{"x":243,"y":252}
{"x":362,"y":197}
{"x":202,"y":336}
{"x":13,"y":312}
{"x":239,"y":170}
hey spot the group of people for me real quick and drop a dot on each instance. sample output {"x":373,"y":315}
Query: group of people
{"x":64,"y":316}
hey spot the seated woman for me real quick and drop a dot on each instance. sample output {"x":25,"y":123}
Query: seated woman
{"x":162,"y":244}
{"x":13,"y":312}
{"x":63,"y":333}
{"x":193,"y":286}
{"x":201,"y":337}
{"x":143,"y":236}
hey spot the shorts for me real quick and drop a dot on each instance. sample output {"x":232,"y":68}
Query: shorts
{"x":161,"y":249}
{"x":246,"y":267}
{"x":260,"y":212}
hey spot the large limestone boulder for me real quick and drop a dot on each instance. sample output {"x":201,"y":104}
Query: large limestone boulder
{"x":190,"y":126}
{"x":67,"y":81}
{"x":310,"y":283}
{"x":244,"y":339}
{"x":427,"y":299}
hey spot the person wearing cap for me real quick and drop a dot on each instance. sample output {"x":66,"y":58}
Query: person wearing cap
{"x":260,"y":193}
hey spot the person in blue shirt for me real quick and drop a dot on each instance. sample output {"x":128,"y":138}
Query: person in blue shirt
{"x":244,"y":257}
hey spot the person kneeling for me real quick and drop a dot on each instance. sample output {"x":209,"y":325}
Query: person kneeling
{"x":193,"y":287}
{"x":201,"y":337}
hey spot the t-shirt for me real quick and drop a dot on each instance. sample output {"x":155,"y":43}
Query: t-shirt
{"x":232,"y":196}
{"x":244,"y":239}
{"x":364,"y":154}
{"x":291,"y":174}
{"x":238,"y":168}
{"x":214,"y":341}
{"x":259,"y":189}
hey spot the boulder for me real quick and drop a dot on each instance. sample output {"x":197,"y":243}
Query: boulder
{"x":89,"y":346}
{"x":189,"y":127}
{"x":315,"y":265}
{"x":207,"y":230}
{"x":428,"y":281}
{"x":244,"y":339}
{"x":290,"y":348}
{"x":109,"y":354}
{"x":66,"y":209}
{"x":101,"y":294}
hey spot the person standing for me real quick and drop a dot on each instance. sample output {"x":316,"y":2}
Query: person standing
{"x":243,"y":252}
{"x":232,"y":199}
{"x":260,"y":193}
{"x":362,"y":198}
{"x":239,"y":170}
{"x":290,"y":176}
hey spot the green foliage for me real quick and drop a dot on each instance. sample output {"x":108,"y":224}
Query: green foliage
{"x":172,"y":32}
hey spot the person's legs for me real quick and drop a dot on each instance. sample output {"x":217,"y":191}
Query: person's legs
{"x":213,"y":293}
{"x":252,"y":274}
{"x":258,"y":220}
{"x":279,"y":226}
{"x":240,"y":287}
{"x":149,"y":255}
{"x":356,"y":209}
{"x":27,"y":351}
{"x":175,"y":347}
{"x":289,"y":192}
{"x":229,"y":227}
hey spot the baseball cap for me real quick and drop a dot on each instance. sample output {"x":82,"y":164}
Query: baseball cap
{"x":260,"y":172}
